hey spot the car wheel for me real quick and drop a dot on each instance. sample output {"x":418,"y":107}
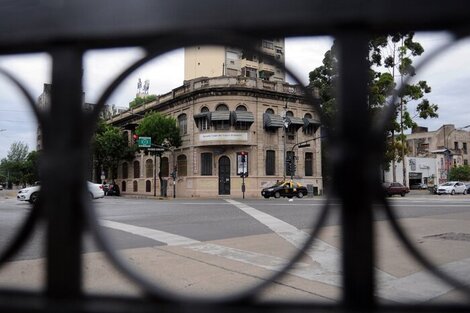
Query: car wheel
{"x":465,"y":192}
{"x":300,"y":195}
{"x":34,"y":198}
{"x":402,"y":194}
{"x":452,"y":192}
{"x":91,"y":196}
{"x":277,"y":195}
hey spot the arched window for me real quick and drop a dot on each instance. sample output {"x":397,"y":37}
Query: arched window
{"x":204,"y":109}
{"x":165,"y":167}
{"x":136,"y":169}
{"x":222,"y":107}
{"x":148,"y":186}
{"x":270,"y":111}
{"x":221,"y":121}
{"x":182,"y":165}
{"x":123,"y":186}
{"x":135,"y":186}
{"x":183,"y":124}
{"x":309,"y":127}
{"x":289,"y":113}
{"x":125,"y":171}
{"x":149,"y":168}
{"x":241,"y":107}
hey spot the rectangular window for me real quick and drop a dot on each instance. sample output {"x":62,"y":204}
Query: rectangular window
{"x":268,"y":44}
{"x":270,"y":162}
{"x":465,"y":162}
{"x":464,"y":147}
{"x":203,"y":124}
{"x":242,"y":125}
{"x":308,"y":164}
{"x":221,"y":125}
{"x":206,"y":164}
{"x":456,"y":145}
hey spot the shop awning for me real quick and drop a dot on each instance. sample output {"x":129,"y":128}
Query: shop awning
{"x":243,"y":117}
{"x":272,"y":121}
{"x":294,"y":122}
{"x":311,"y":122}
{"x":206,"y":115}
{"x":220,"y":116}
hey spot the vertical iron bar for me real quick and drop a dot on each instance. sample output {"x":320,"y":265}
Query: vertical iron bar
{"x":353,"y":129}
{"x":64,"y":182}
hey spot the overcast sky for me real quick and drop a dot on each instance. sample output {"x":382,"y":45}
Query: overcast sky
{"x":448,"y":75}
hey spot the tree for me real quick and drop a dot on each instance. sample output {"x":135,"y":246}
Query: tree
{"x":391,"y":62}
{"x":461,"y":173}
{"x":20,"y":167}
{"x":163,"y":130}
{"x":109,"y":147}
{"x":18,"y":152}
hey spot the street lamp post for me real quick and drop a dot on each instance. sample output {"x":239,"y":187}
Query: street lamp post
{"x":301,"y":144}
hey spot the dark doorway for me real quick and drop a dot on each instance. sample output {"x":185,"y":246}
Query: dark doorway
{"x":224,"y":176}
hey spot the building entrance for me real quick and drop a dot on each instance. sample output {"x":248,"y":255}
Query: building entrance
{"x":224,"y":176}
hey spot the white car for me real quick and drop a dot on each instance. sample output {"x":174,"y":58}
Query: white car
{"x":31,"y":194}
{"x":452,"y":187}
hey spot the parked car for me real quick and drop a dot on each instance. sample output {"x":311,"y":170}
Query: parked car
{"x":452,"y":187}
{"x":113,"y":190}
{"x":287,"y":189}
{"x":467,"y":185}
{"x":1,"y":187}
{"x":31,"y":194}
{"x":395,"y":189}
{"x":420,"y":186}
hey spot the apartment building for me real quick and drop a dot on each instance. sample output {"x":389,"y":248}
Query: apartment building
{"x":213,"y":61}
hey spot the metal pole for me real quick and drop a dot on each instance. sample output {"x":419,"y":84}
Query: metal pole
{"x":155,"y":174}
{"x":243,"y":180}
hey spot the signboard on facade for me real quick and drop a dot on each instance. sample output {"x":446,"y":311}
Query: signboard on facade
{"x":223,"y":137}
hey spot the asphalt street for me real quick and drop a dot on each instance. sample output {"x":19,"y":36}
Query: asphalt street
{"x":215,"y":246}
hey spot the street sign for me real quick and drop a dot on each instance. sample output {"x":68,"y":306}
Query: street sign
{"x":145,"y":142}
{"x":156,"y":149}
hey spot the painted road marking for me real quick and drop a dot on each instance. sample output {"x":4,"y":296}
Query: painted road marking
{"x":420,"y":286}
{"x":157,"y":235}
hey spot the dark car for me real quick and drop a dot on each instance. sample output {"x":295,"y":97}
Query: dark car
{"x":395,"y":189}
{"x":113,"y":190}
{"x":287,"y":189}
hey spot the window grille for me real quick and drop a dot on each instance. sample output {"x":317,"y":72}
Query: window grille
{"x":68,"y":29}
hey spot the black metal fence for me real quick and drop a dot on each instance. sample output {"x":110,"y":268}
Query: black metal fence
{"x":67,"y":29}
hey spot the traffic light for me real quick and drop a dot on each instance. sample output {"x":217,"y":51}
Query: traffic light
{"x":135,"y":139}
{"x":243,"y":157}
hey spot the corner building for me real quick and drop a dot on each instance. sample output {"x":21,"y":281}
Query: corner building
{"x":219,"y":118}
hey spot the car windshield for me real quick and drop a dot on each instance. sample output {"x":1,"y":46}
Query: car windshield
{"x":448,"y":184}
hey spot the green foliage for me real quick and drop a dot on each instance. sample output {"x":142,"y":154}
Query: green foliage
{"x":461,"y":173}
{"x":20,"y":167}
{"x":391,"y":61}
{"x":138,"y":101}
{"x":162,"y":129}
{"x":110,"y":147}
{"x":18,"y":152}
